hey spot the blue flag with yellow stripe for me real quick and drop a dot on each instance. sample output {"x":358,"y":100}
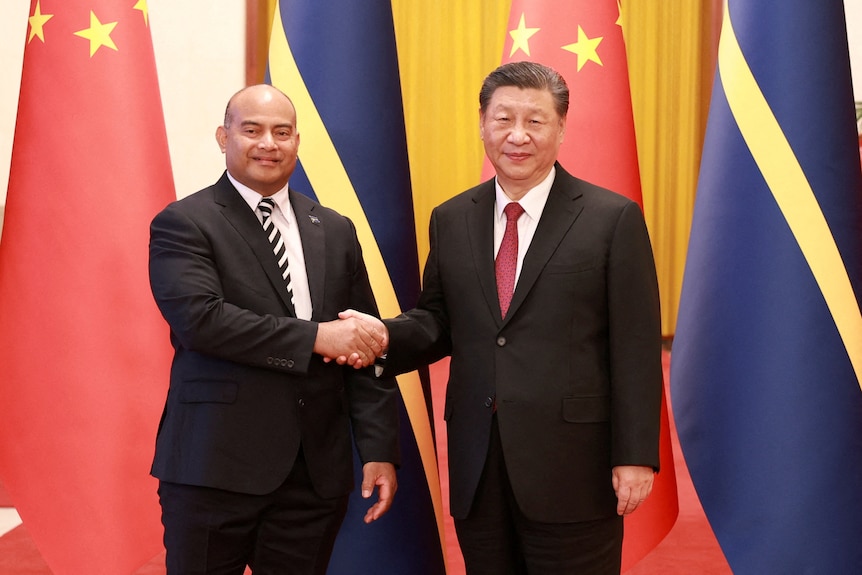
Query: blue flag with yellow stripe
{"x":337,"y":61}
{"x":767,"y":358}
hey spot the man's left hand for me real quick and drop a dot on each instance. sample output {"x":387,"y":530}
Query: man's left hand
{"x":382,"y":476}
{"x":632,"y":484}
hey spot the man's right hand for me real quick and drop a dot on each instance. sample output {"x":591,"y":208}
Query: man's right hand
{"x":355,"y":339}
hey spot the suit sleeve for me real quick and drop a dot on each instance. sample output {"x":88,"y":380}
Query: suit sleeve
{"x":634,"y":343}
{"x":373,"y":401}
{"x":420,"y":336}
{"x":188,"y":279}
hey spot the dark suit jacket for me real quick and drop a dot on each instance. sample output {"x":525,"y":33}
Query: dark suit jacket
{"x":245,"y":387}
{"x":575,"y":368}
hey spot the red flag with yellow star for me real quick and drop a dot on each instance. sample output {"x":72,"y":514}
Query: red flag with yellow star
{"x":84,"y":355}
{"x":583,"y":41}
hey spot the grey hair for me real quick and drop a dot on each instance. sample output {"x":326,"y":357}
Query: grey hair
{"x":526,"y":75}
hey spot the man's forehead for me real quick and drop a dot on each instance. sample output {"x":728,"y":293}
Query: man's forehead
{"x":250,"y":105}
{"x":521,"y":98}
{"x":258,"y":121}
{"x":518,"y":93}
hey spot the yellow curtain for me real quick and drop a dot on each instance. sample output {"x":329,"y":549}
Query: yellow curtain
{"x":446,"y":49}
{"x":671,"y":47}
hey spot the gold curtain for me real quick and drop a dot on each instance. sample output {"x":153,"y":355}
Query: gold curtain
{"x":671,"y":48}
{"x":445,"y":50}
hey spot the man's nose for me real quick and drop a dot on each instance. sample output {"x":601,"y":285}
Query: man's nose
{"x":518,"y":134}
{"x":266,"y":141}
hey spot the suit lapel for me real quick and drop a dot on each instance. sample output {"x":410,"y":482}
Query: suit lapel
{"x":236,"y":211}
{"x":480,"y":230}
{"x":313,"y":248}
{"x":560,"y":213}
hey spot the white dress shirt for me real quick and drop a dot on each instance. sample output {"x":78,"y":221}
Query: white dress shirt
{"x":533,"y":203}
{"x":285,"y":220}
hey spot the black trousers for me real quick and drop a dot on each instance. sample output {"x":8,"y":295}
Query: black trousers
{"x":497,"y":539}
{"x":215,"y":532}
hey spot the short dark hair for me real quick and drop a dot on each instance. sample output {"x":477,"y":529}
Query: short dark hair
{"x":526,"y":75}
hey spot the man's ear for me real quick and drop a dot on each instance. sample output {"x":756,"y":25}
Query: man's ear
{"x":221,"y":138}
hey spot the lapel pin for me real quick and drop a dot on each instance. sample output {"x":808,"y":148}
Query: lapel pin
{"x":314,"y":220}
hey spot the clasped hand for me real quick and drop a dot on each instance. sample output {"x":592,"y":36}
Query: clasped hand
{"x":354,"y":339}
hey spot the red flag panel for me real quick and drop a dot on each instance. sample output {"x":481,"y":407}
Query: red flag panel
{"x":583,"y":41}
{"x":84,"y":354}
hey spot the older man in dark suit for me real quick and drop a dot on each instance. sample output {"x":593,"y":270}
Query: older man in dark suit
{"x":254,"y":452}
{"x":542,"y":288}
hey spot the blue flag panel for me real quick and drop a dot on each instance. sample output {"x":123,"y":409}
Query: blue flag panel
{"x":767,"y":356}
{"x":337,"y":61}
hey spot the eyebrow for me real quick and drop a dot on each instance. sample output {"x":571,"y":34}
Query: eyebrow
{"x":255,"y":123}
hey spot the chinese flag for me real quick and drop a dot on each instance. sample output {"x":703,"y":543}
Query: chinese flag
{"x":84,"y":354}
{"x":583,"y":41}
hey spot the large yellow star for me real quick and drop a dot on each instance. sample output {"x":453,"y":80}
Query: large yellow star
{"x":37,"y":22}
{"x":619,"y":21}
{"x":142,"y":6}
{"x":98,"y":34}
{"x":585,"y":48}
{"x":520,"y":37}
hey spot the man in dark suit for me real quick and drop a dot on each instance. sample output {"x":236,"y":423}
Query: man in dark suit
{"x":254,"y":451}
{"x":553,"y":400}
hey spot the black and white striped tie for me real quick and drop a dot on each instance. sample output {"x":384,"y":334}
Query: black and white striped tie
{"x":278,"y":248}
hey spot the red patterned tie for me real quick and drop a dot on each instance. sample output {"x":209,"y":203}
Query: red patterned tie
{"x":507,"y":257}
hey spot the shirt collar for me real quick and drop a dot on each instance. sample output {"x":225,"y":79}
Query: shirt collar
{"x":533,"y":201}
{"x":252,"y":198}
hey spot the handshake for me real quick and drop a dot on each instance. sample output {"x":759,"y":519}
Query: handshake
{"x":354,"y":339}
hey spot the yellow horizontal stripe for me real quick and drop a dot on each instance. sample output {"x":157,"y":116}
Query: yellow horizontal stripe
{"x":791,"y":189}
{"x":333,"y":188}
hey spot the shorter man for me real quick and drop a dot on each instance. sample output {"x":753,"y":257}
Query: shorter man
{"x":253,"y":454}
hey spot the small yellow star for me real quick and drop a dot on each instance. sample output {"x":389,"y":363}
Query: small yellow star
{"x":520,"y":36}
{"x":37,"y":22}
{"x":585,"y":48}
{"x":98,"y":34}
{"x":142,"y":6}
{"x":619,"y":21}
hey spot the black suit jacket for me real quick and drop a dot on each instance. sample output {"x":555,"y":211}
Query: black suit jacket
{"x":574,"y":369}
{"x":245,"y":388}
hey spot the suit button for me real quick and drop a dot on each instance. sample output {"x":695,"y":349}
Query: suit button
{"x":489,"y":401}
{"x":289,"y":363}
{"x":501,"y":341}
{"x":269,"y":361}
{"x":301,"y":403}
